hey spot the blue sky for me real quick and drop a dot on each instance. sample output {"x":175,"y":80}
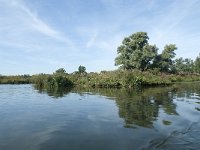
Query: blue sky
{"x":44,"y":35}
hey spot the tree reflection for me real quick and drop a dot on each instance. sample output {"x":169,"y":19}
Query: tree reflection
{"x":139,"y":107}
{"x":54,"y":92}
{"x":143,"y":108}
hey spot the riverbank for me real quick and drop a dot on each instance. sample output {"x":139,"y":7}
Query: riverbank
{"x":105,"y":79}
{"x":128,"y":79}
{"x":18,"y":79}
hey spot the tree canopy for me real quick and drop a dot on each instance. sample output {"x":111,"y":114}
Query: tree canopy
{"x":164,"y":61}
{"x":60,"y":71}
{"x":81,"y":69}
{"x":135,"y":52}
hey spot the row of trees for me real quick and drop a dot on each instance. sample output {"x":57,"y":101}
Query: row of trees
{"x":135,"y":52}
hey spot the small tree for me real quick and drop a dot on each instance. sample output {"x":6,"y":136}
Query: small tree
{"x":81,"y":69}
{"x":60,"y":71}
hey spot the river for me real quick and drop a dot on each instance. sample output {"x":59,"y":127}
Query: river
{"x":100,"y":119}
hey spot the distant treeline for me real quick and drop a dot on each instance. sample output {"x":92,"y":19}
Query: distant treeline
{"x":139,"y":65}
{"x":19,"y":79}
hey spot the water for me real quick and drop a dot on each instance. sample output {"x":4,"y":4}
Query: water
{"x":100,"y":119}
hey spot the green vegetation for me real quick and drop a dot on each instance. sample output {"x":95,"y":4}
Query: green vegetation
{"x":139,"y":65}
{"x":20,"y":79}
{"x":164,"y":61}
{"x":197,"y":65}
{"x":81,"y":70}
{"x":129,"y":78}
{"x":58,"y":79}
{"x":135,"y":52}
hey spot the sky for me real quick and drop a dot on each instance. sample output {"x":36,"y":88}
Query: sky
{"x":41,"y":36}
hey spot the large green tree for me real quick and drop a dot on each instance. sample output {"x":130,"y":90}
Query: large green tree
{"x":135,"y":52}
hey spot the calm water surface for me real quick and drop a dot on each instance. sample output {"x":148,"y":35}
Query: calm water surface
{"x":100,"y":119}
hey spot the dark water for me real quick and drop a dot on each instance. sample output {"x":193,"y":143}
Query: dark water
{"x":100,"y":119}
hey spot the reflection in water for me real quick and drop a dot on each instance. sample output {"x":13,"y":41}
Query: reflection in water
{"x":54,"y":92}
{"x":166,"y":122}
{"x":151,"y":118}
{"x":139,"y":107}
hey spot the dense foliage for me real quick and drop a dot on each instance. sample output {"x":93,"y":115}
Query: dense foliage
{"x":58,"y":79}
{"x":81,"y":69}
{"x":163,"y":62}
{"x":136,"y":53}
{"x":130,"y":78}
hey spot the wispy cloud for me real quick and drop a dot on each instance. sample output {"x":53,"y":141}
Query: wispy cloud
{"x":38,"y":24}
{"x":91,"y":41}
{"x":170,"y":18}
{"x":29,"y":22}
{"x":171,"y":25}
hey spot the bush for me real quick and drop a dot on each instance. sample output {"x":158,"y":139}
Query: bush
{"x":52,"y":81}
